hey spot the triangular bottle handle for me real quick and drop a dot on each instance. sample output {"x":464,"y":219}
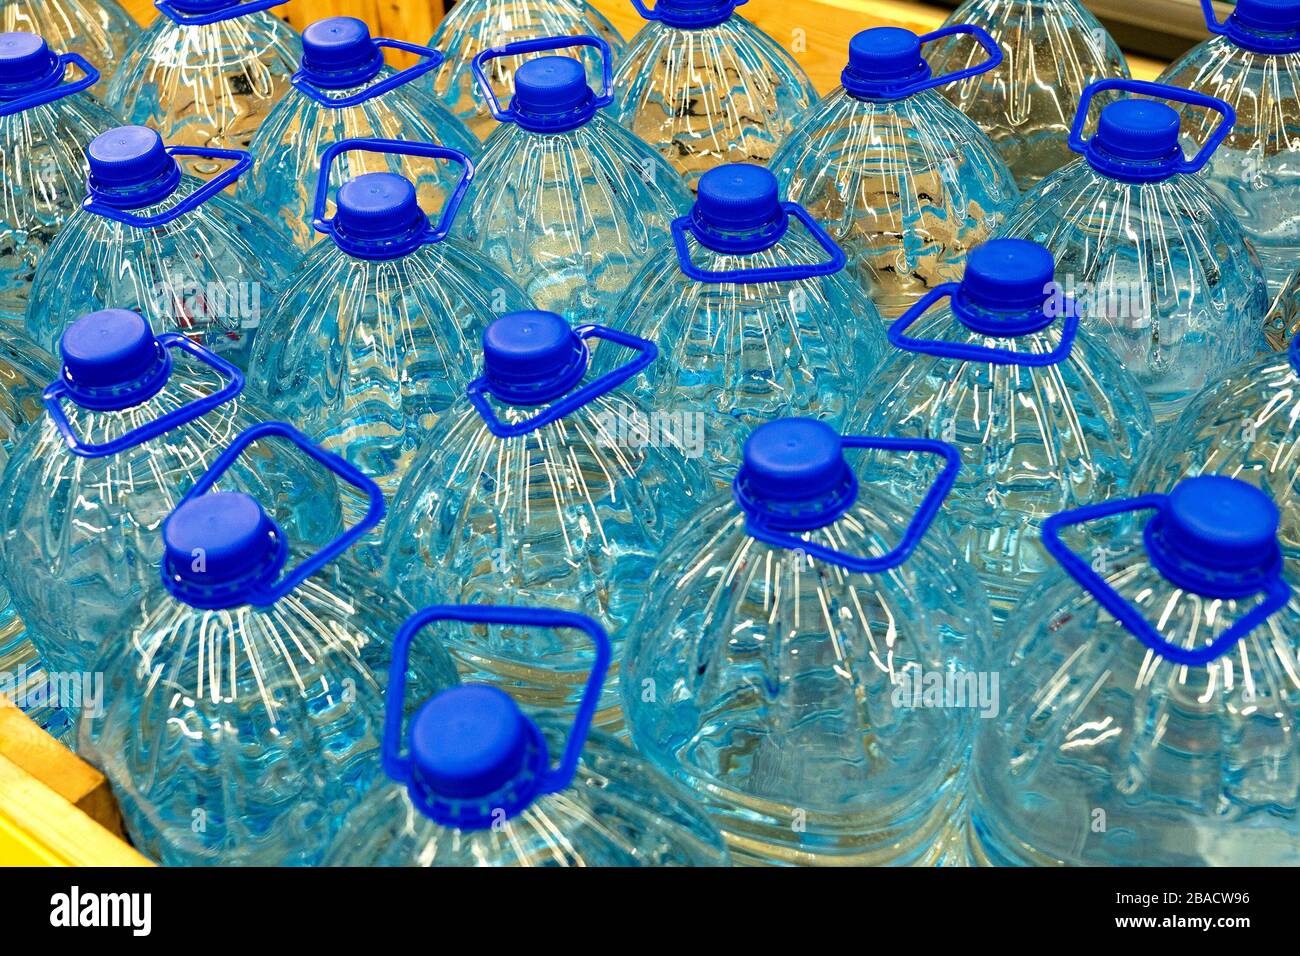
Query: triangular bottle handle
{"x":57,"y":90}
{"x":430,"y":60}
{"x":539,"y":44}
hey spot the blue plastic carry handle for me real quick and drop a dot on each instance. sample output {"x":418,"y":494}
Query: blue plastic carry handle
{"x":1159,"y":91}
{"x":174,"y":12}
{"x":430,"y":60}
{"x":1276,"y":591}
{"x":1255,"y":40}
{"x":56,"y":392}
{"x":332,"y":462}
{"x":480,"y":389}
{"x":213,"y":187}
{"x":402,"y":148}
{"x":755,"y":527}
{"x":836,"y":261}
{"x":970,"y":352}
{"x":537,"y":45}
{"x":57,"y":90}
{"x":995,"y":58}
{"x":554,"y":779}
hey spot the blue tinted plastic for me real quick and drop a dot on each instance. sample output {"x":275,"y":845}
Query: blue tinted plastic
{"x":547,"y":115}
{"x":704,"y":96}
{"x":1025,"y":105}
{"x":207,"y":81}
{"x":748,"y":691}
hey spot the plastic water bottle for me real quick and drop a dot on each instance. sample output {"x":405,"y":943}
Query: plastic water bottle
{"x":905,"y":183}
{"x":47,"y":118}
{"x":547,"y":483}
{"x":99,"y":30}
{"x":1044,"y":415}
{"x":129,"y":425}
{"x":704,"y":86}
{"x":206,"y":73}
{"x":565,"y":199}
{"x":1246,"y":426}
{"x":1054,"y":50}
{"x":1253,"y":62}
{"x":243,"y":705}
{"x":754,"y":313}
{"x":476,"y":782}
{"x":343,"y":90}
{"x":1146,"y":706}
{"x":472,"y":26}
{"x":168,"y":245}
{"x":811,"y":669}
{"x":1167,"y":274}
{"x":378,"y":334}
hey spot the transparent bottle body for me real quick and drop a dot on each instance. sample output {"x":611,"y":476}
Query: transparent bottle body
{"x":100,"y":30}
{"x":618,"y":811}
{"x":209,"y":85}
{"x":1244,"y":426}
{"x":1053,"y":50}
{"x":366,"y":355}
{"x":788,"y":693}
{"x":906,"y":187}
{"x":42,"y":182}
{"x":1106,"y":753}
{"x":211,"y":274}
{"x":82,"y":536}
{"x":722,"y":94}
{"x":1033,"y":441}
{"x":472,"y":26}
{"x":290,"y":141}
{"x":1168,"y":278}
{"x":1256,"y":171}
{"x":573,"y":216}
{"x":242,"y":737}
{"x":570,"y":516}
{"x":733,"y":355}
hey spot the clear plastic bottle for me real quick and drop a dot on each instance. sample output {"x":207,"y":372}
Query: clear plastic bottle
{"x":243,"y":701}
{"x":1175,"y":288}
{"x":99,"y":30}
{"x":548,"y":483}
{"x":479,"y":784}
{"x":206,"y":73}
{"x":1044,"y":415}
{"x":343,"y":90}
{"x":812,"y":667}
{"x":472,"y":26}
{"x":1055,"y":49}
{"x":170,"y":246}
{"x":45,"y":126}
{"x":1253,"y":63}
{"x":130,"y":424}
{"x":904,"y":182}
{"x":1147,"y":704}
{"x":704,"y":86}
{"x":378,"y":334}
{"x":564,"y":199}
{"x":755,"y":315}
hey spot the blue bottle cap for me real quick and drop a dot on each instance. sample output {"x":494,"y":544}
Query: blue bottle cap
{"x":469,"y":741}
{"x":1005,"y":287}
{"x":130,"y":168}
{"x":338,"y":53}
{"x":693,"y":14}
{"x":1265,"y":26}
{"x":1136,"y":140}
{"x":531,"y":358}
{"x":1216,"y":536}
{"x":379,"y":216}
{"x":794,"y":474}
{"x":219,"y":546}
{"x":26,"y":62}
{"x":552,"y":95}
{"x":111,"y":360}
{"x":738,"y":209}
{"x":883,"y":59}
